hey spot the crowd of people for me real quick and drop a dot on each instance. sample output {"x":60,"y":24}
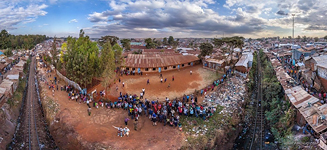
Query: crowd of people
{"x":167,"y":112}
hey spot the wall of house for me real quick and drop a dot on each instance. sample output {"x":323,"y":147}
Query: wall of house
{"x":323,"y":83}
{"x":241,"y":69}
{"x":169,"y":68}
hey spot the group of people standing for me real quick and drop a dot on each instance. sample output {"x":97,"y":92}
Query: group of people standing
{"x":167,"y":112}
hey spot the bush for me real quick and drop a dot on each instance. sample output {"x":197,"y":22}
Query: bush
{"x":305,"y":139}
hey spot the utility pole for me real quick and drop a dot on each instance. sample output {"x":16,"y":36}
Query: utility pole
{"x":293,"y":40}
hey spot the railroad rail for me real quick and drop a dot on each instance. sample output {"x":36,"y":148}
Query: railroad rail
{"x":32,"y":132}
{"x":257,"y":141}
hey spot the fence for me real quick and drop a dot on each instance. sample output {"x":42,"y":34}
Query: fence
{"x":75,"y":85}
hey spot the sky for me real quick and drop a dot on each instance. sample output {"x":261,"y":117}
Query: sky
{"x":162,"y":18}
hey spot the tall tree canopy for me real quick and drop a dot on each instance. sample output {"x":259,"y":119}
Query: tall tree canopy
{"x":206,"y":49}
{"x":111,"y":39}
{"x":165,"y":41}
{"x":126,"y":43}
{"x":171,"y":40}
{"x":149,"y":43}
{"x":107,"y":64}
{"x":54,"y":51}
{"x":19,"y":41}
{"x":81,"y":60}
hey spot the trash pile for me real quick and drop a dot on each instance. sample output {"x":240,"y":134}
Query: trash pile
{"x":229,"y":95}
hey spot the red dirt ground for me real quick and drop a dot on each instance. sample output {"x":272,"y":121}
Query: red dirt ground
{"x":184,"y":83}
{"x":97,"y":128}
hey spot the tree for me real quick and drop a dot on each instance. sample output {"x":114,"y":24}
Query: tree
{"x":8,"y":53}
{"x":54,"y":51}
{"x":118,"y":51}
{"x":104,"y":39}
{"x":316,"y":39}
{"x":165,"y":41}
{"x":299,"y":38}
{"x":4,"y":39}
{"x":149,"y":43}
{"x":206,"y":49}
{"x":171,"y":40}
{"x":325,"y":37}
{"x":304,"y":38}
{"x":126,"y":43}
{"x":108,"y":64}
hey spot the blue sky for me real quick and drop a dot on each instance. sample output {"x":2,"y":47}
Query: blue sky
{"x":161,"y":18}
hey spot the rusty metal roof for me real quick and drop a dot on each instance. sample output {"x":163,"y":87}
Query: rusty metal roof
{"x":157,"y":60}
{"x":151,"y":51}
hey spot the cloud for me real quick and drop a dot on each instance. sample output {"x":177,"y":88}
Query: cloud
{"x":126,"y":18}
{"x":13,"y":14}
{"x":73,"y":20}
{"x":281,"y":12}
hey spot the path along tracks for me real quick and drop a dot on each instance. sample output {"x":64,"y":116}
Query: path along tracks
{"x":257,"y":141}
{"x":32,"y":132}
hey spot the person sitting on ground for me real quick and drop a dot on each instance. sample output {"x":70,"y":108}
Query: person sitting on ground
{"x":126,"y":131}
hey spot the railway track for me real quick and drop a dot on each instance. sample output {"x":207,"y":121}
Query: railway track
{"x":32,"y":132}
{"x":257,"y":141}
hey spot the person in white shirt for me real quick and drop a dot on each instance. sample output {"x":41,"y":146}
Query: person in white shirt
{"x":143,"y":90}
{"x":126,"y":131}
{"x":141,"y":95}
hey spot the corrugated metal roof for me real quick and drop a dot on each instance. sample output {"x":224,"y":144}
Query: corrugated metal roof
{"x":243,"y":61}
{"x":157,"y":60}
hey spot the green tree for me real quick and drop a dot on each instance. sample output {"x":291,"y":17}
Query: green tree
{"x":325,"y":37}
{"x":165,"y":41}
{"x":316,"y":39}
{"x":171,"y":40}
{"x":126,"y":43}
{"x":118,"y":51}
{"x":104,"y":39}
{"x":8,"y":53}
{"x":206,"y":49}
{"x":54,"y":51}
{"x":108,"y":64}
{"x":149,"y":43}
{"x":4,"y":39}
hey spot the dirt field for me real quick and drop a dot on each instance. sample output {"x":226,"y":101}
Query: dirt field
{"x":97,"y":128}
{"x":184,"y":83}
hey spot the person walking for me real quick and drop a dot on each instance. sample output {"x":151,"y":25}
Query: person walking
{"x":126,"y":120}
{"x":165,"y":80}
{"x":123,"y":84}
{"x":143,"y":90}
{"x":148,"y":82}
{"x":191,"y":72}
{"x":161,"y":80}
{"x":173,"y":78}
{"x":89,"y":111}
{"x":168,"y":86}
{"x":88,"y":103}
{"x":135,"y":124}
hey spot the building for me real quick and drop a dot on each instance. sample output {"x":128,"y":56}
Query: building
{"x":158,"y":62}
{"x":214,"y":64}
{"x":298,"y":53}
{"x":243,"y":64}
{"x":322,"y":74}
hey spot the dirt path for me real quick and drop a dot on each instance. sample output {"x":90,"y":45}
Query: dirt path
{"x":184,"y":83}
